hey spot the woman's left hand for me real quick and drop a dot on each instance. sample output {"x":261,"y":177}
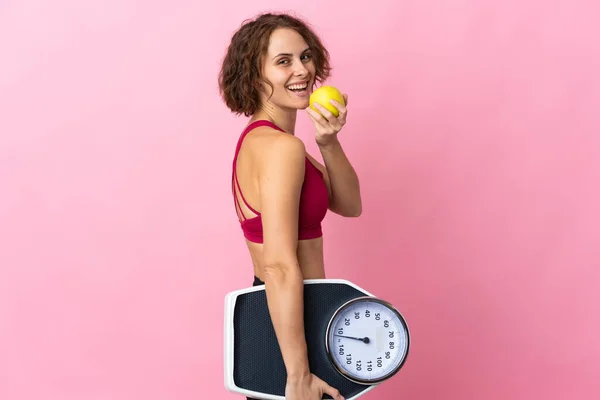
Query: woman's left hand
{"x":327,"y":124}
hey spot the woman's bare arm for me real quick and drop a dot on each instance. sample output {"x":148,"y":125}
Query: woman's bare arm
{"x":281,"y":174}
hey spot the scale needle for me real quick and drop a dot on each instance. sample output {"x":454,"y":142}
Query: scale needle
{"x":364,"y":340}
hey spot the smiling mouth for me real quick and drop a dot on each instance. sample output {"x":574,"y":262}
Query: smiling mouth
{"x":298,"y":88}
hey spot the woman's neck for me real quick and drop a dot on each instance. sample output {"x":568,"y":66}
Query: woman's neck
{"x":285,"y":119}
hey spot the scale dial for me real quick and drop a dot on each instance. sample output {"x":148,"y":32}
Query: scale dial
{"x":367,"y":340}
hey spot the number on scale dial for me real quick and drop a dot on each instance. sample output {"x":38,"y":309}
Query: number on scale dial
{"x":367,"y":340}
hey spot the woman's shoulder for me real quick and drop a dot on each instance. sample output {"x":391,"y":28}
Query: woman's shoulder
{"x":268,"y":141}
{"x":272,"y":151}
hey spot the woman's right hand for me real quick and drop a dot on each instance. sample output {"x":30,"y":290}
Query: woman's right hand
{"x":309,"y":387}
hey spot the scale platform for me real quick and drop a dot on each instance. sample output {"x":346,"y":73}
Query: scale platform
{"x":254,"y":365}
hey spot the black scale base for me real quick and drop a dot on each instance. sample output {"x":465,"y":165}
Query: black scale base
{"x":258,"y":364}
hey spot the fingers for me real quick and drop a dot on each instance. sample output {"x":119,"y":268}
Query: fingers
{"x":323,"y":124}
{"x":342,"y":109}
{"x":316,"y":117}
{"x":342,"y":112}
{"x":332,"y":392}
{"x":327,"y":116}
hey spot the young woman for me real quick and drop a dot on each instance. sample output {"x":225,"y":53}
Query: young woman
{"x":281,"y":194}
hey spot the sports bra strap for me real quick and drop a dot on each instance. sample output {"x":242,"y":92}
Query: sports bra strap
{"x":235,"y":182}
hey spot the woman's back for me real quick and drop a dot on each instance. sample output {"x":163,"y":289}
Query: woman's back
{"x":257,"y":143}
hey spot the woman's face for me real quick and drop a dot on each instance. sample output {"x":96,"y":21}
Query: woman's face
{"x":289,"y":66}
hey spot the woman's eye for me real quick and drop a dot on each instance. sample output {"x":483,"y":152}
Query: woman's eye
{"x":303,"y":58}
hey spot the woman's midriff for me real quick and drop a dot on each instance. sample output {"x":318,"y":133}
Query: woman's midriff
{"x":309,"y":253}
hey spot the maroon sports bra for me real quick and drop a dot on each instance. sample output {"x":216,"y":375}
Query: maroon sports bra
{"x":314,"y":199}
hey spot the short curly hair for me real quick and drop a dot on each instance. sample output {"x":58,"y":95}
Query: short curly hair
{"x":240,"y":78}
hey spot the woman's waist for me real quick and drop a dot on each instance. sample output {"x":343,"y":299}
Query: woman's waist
{"x":309,"y":254}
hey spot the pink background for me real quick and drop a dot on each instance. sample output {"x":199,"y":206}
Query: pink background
{"x":473,"y":126}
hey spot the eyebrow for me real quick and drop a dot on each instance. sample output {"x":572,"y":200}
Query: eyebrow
{"x":290,"y":54}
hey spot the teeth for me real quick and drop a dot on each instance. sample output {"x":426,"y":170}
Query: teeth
{"x":297,"y":87}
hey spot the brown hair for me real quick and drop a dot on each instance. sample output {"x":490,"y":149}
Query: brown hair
{"x":240,"y":79}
